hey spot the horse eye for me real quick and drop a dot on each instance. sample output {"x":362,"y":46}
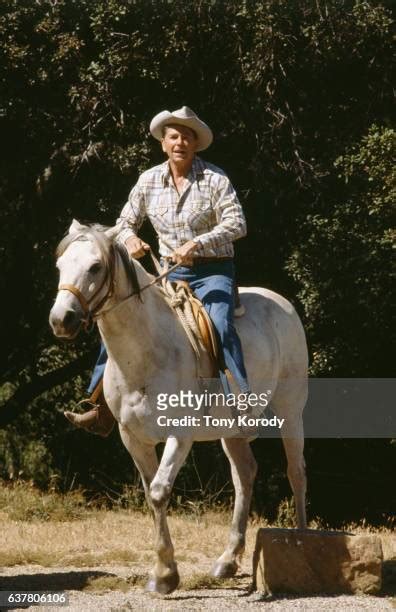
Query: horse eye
{"x":95,"y":268}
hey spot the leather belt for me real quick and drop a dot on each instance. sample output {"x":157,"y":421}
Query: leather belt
{"x":199,"y":261}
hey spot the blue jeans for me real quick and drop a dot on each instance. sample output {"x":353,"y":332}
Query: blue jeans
{"x":213,"y":284}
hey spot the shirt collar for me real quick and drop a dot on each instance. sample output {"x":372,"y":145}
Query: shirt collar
{"x":197,"y":167}
{"x":197,"y":170}
{"x":165,"y":174}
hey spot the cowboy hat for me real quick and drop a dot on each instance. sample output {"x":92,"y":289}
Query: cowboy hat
{"x":182,"y":116}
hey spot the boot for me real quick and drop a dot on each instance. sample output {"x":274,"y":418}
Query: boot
{"x":99,"y":420}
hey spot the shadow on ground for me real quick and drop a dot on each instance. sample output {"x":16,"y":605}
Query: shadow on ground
{"x":389,"y":577}
{"x":57,"y":581}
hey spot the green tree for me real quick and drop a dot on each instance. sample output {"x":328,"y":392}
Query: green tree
{"x":344,"y":264}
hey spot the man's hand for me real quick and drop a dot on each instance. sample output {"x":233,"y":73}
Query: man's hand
{"x":183,"y":255}
{"x":136,"y":248}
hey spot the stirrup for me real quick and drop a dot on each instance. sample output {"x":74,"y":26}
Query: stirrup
{"x":99,"y":419}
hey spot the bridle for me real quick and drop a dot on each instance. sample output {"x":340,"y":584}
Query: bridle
{"x":85,"y":304}
{"x":91,"y":315}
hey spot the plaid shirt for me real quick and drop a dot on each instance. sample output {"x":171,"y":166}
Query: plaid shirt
{"x":207,"y":210}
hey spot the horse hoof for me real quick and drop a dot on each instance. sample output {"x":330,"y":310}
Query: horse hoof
{"x":224,"y":570}
{"x":163,"y":585}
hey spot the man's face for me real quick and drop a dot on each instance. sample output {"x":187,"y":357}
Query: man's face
{"x":179,"y":143}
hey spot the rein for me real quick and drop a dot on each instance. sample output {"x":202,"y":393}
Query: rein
{"x":161,"y":274}
{"x":96,"y":313}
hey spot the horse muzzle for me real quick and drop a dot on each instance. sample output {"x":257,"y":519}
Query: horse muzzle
{"x":65,"y":323}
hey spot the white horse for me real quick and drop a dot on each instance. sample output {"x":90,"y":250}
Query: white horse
{"x":149,"y":354}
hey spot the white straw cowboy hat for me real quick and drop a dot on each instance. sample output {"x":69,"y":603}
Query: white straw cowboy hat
{"x":183,"y":116}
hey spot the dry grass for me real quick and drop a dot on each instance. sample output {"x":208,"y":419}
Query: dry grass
{"x":115,"y":583}
{"x":205,"y":581}
{"x":98,"y":539}
{"x":107,"y":537}
{"x":124,"y":538}
{"x":23,"y":502}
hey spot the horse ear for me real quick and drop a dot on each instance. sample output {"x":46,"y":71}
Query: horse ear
{"x":112,"y":232}
{"x":75,"y":227}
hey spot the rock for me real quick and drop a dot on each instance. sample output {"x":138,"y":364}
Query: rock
{"x":311,"y":561}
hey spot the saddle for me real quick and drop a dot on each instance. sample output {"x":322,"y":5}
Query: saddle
{"x":198,"y":320}
{"x":195,"y":319}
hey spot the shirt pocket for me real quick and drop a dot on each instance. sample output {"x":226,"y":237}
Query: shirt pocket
{"x":158,"y":215}
{"x":200,"y":214}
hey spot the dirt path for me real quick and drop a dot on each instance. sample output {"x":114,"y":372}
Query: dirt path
{"x":87,"y":591}
{"x":112,"y":588}
{"x":102,"y":562}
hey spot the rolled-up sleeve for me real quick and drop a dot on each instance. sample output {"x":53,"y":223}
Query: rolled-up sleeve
{"x":132,"y":215}
{"x":231,"y":222}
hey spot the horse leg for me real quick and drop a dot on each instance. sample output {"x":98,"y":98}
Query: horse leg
{"x":243,"y":470}
{"x":165,"y":577}
{"x":144,"y":457}
{"x":293,"y":441}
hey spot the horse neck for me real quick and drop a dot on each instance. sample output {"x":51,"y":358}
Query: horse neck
{"x":144,"y":338}
{"x":135,"y":325}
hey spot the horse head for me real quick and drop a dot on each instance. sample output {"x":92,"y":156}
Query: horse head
{"x":87,"y":260}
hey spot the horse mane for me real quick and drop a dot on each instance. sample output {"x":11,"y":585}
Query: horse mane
{"x":108,"y":249}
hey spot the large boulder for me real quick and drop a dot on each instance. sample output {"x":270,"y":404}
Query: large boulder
{"x":310,"y":561}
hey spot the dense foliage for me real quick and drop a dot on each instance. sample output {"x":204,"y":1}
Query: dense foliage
{"x":299,"y":96}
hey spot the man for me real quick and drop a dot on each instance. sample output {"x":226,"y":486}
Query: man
{"x":197,"y":216}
